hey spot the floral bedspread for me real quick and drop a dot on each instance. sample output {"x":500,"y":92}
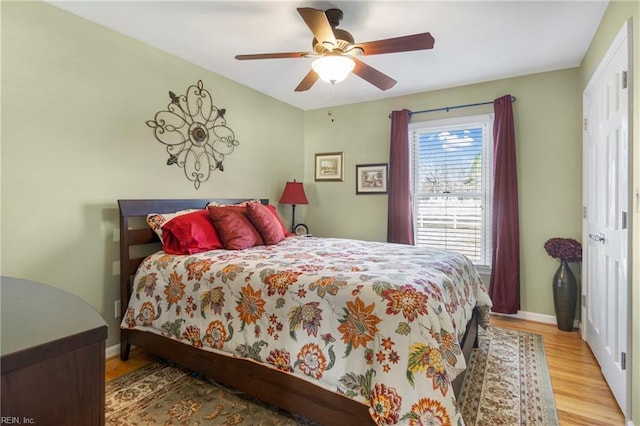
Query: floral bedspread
{"x":377,"y":322}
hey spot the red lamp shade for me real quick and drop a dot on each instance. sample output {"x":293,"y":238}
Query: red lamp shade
{"x":293,"y":194}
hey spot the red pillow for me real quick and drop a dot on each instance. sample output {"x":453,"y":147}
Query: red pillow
{"x":234,"y":228}
{"x":273,"y":210}
{"x":266,"y":223}
{"x":190,"y":233}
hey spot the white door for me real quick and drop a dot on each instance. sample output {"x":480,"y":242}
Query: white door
{"x":606,"y":224}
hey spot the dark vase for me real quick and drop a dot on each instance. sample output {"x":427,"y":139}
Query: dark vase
{"x":565,"y":293}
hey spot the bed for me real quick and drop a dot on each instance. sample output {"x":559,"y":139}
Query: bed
{"x":337,"y":331}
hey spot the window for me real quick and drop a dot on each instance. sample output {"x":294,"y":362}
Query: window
{"x":452,"y":182}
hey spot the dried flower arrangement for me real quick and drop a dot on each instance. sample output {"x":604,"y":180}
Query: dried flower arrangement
{"x":566,"y":249}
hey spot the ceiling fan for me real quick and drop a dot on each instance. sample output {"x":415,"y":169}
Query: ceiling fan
{"x":336,"y":51}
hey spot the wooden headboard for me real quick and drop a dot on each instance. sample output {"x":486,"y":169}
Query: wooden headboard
{"x":136,"y":243}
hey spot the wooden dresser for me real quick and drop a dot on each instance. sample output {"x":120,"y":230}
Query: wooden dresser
{"x":53,"y":356}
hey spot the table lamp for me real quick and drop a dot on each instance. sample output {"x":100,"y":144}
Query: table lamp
{"x":293,"y":194}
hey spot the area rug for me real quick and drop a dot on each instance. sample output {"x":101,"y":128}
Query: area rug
{"x":163,"y":393}
{"x":507,"y":384}
{"x":507,"y":381}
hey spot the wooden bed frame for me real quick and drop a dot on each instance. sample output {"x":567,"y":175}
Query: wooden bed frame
{"x":268,"y":384}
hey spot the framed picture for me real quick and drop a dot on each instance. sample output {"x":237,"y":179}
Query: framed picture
{"x":371,"y":178}
{"x":329,"y":166}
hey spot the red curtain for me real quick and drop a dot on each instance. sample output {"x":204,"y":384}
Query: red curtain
{"x":504,"y":287}
{"x":400,"y":215}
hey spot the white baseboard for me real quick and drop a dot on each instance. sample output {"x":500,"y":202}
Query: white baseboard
{"x":530,"y":316}
{"x":112,"y":351}
{"x":533,"y":316}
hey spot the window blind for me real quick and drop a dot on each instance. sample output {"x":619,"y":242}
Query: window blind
{"x":451,"y":186}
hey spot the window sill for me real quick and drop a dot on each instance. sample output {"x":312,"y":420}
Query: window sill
{"x":483,"y":269}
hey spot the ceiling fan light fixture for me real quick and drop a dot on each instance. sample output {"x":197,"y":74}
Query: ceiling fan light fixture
{"x":333,"y":68}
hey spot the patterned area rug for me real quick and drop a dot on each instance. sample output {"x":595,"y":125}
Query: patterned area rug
{"x":508,"y":381}
{"x":163,"y":393}
{"x":507,"y":384}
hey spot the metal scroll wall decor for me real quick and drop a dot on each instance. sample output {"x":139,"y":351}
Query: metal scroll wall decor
{"x":195,"y":133}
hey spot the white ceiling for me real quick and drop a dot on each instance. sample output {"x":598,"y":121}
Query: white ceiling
{"x":475,"y":41}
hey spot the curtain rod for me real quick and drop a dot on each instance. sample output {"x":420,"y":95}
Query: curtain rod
{"x":447,"y":108}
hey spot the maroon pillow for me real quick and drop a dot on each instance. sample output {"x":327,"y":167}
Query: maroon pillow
{"x":273,"y":210}
{"x":234,"y":228}
{"x":190,"y":233}
{"x":266,"y":223}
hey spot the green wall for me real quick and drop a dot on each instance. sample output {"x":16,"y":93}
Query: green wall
{"x":549,"y":154}
{"x":75,"y":99}
{"x":619,"y":12}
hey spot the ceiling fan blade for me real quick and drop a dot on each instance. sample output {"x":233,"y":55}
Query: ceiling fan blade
{"x":318,"y":23}
{"x":307,"y":81}
{"x":272,"y":55}
{"x":372,"y":75}
{"x":399,"y":44}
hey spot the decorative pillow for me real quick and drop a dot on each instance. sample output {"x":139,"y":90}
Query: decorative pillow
{"x":234,"y":228}
{"x":157,"y":220}
{"x":242,"y":203}
{"x":266,"y":223}
{"x":274,"y":210}
{"x":271,"y":208}
{"x":190,"y":233}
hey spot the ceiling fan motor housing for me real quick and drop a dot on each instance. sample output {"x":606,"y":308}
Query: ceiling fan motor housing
{"x":344,"y":40}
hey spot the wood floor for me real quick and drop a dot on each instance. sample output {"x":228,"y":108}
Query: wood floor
{"x":581,"y":393}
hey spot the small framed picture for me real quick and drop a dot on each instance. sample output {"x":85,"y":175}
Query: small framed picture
{"x":371,"y":178}
{"x":329,"y":166}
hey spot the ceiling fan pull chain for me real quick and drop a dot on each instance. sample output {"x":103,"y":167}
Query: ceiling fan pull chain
{"x":331,"y":104}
